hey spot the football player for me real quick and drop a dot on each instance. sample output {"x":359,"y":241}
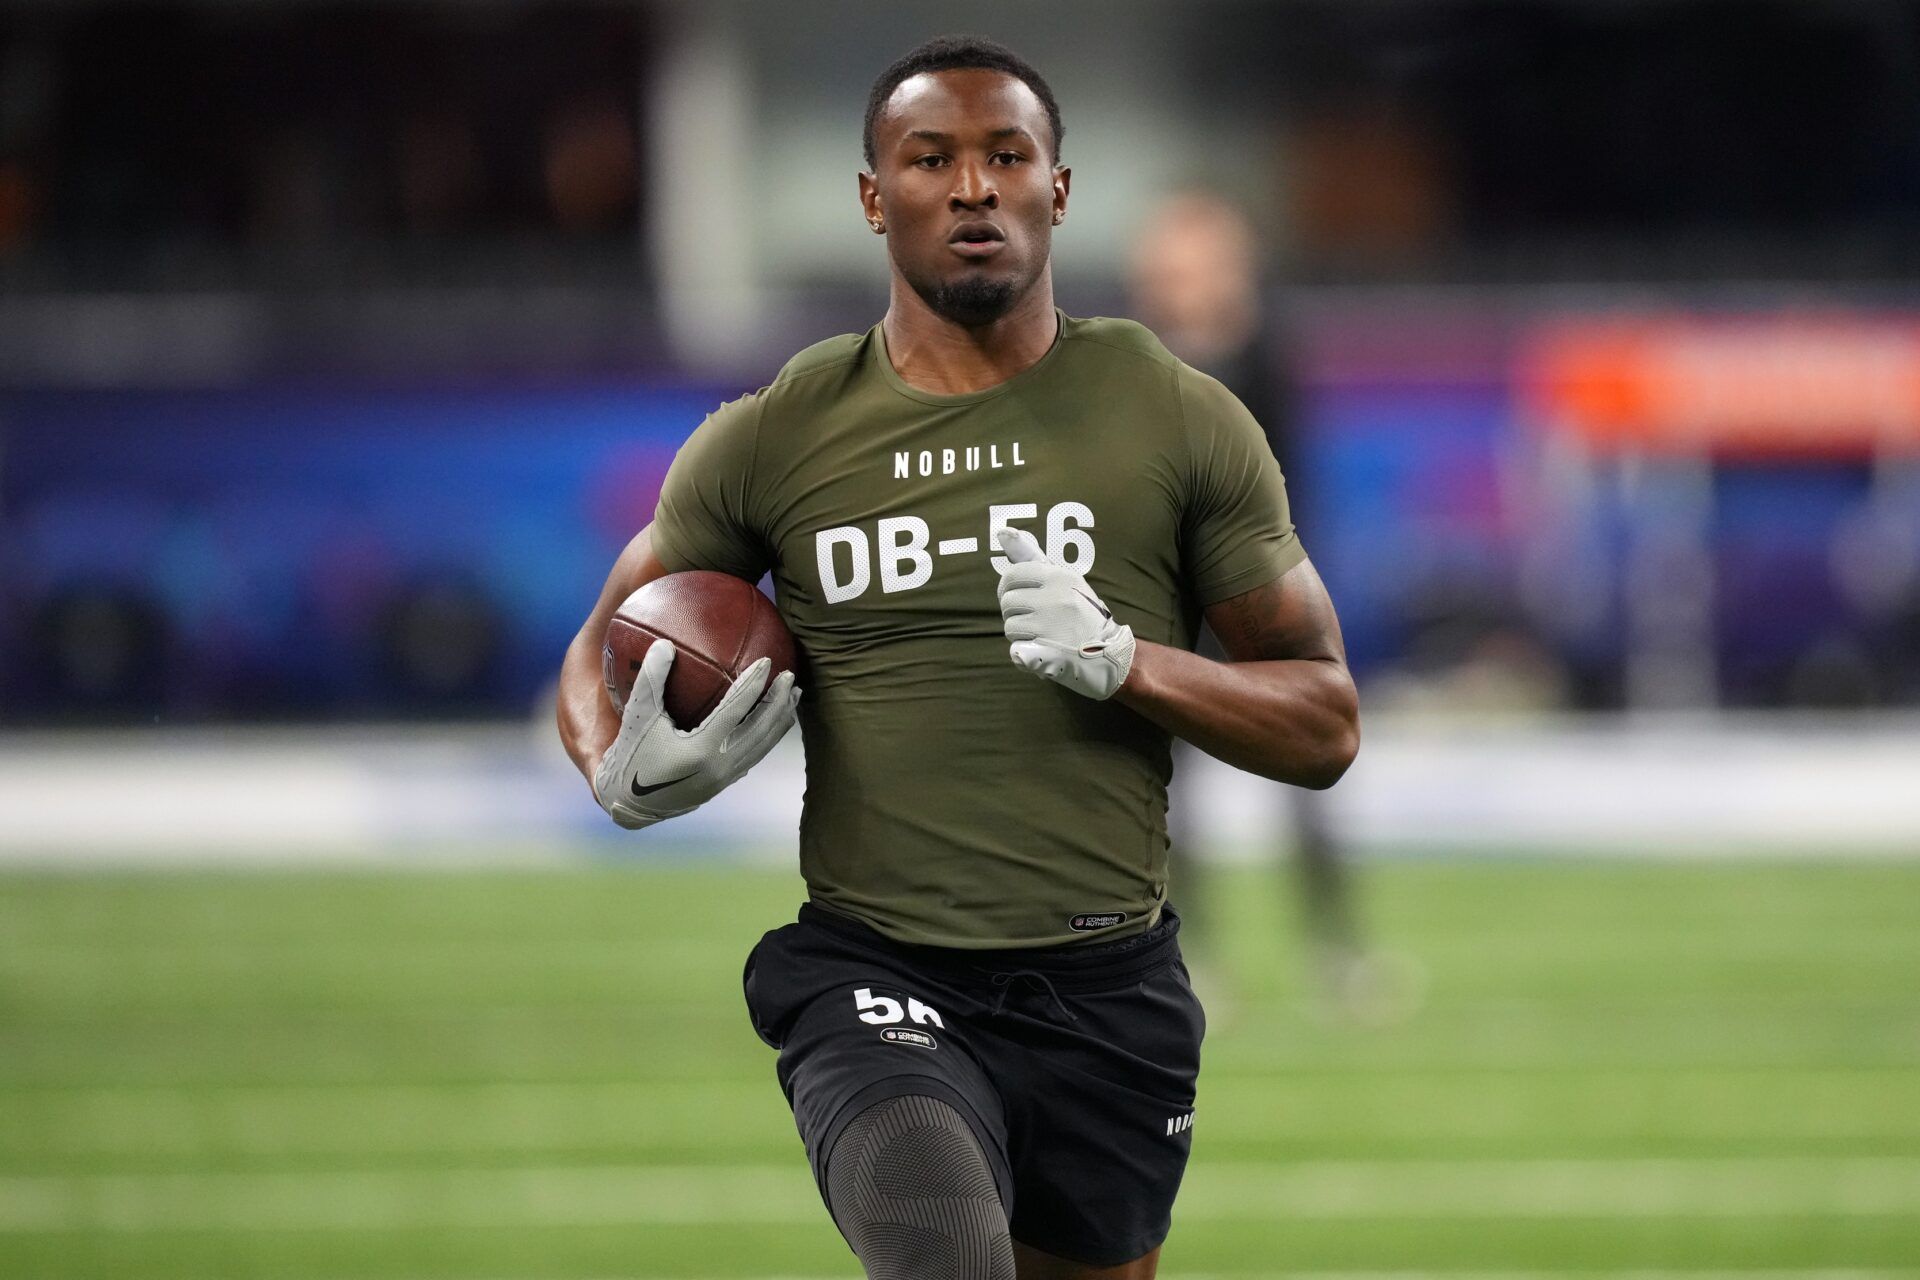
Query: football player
{"x":993,"y":530}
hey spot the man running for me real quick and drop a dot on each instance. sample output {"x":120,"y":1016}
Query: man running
{"x":993,"y":530}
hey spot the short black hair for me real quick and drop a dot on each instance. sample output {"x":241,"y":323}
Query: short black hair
{"x":959,"y":53}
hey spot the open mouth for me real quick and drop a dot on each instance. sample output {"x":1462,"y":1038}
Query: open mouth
{"x":977,"y":239}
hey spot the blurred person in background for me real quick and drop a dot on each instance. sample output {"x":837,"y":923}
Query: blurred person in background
{"x":1196,"y":278}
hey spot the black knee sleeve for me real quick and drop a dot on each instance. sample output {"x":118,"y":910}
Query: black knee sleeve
{"x":911,"y":1189}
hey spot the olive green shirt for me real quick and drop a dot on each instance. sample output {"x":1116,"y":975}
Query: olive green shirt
{"x":952,"y":798}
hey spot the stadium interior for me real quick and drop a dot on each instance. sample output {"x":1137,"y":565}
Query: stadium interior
{"x":343,"y":346}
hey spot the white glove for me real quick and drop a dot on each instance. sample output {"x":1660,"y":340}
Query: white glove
{"x":654,"y":770}
{"x":1060,"y":629}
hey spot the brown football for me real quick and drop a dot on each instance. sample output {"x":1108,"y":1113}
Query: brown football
{"x":719,"y":625}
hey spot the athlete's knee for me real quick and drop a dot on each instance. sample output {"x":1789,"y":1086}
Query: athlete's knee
{"x":911,"y":1189}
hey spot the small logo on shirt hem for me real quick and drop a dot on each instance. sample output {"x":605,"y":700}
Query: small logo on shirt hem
{"x":1179,"y":1124}
{"x":906,"y":1035}
{"x":1087,"y":921}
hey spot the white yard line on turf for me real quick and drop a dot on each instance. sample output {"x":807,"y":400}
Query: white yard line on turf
{"x":668,"y":1117}
{"x":1787,"y":1273}
{"x":1784,"y":1273}
{"x":781,"y":1194}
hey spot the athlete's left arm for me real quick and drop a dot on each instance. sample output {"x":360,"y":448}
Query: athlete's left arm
{"x":1282,"y":706}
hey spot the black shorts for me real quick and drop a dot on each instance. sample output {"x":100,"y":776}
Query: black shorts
{"x":1075,"y":1066}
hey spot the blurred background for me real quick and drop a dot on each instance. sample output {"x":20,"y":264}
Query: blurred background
{"x":342,"y":346}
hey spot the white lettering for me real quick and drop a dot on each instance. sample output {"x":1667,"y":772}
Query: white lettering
{"x":1002,"y":517}
{"x":1066,"y":541}
{"x":903,"y":541}
{"x":922,"y":1013}
{"x":876,"y":1010}
{"x":832,"y":586}
{"x":946,"y":462}
{"x":906,"y":548}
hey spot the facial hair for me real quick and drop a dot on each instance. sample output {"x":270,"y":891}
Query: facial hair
{"x":970,"y":302}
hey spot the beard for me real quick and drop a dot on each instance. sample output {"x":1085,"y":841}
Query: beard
{"x":970,"y":301}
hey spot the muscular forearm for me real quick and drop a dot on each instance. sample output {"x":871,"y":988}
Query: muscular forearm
{"x":588,"y":722}
{"x":1293,"y":720}
{"x":1283,"y":708}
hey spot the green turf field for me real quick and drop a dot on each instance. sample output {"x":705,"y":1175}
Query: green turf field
{"x":1649,"y":1069}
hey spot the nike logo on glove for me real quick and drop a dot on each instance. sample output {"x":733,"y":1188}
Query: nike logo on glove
{"x":1104,"y":612}
{"x":639,"y":790}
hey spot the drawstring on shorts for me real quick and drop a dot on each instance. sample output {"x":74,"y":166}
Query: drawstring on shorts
{"x":1005,"y":982}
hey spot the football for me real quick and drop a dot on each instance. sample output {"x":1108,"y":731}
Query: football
{"x":719,"y":625}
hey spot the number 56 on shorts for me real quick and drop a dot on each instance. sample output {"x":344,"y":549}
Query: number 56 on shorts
{"x":881,"y":1010}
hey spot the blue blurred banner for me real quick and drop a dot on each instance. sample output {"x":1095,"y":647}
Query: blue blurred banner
{"x":339,"y":553}
{"x":314,"y":552}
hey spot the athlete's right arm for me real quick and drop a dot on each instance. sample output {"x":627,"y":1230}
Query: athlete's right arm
{"x":588,"y":722}
{"x":641,"y":766}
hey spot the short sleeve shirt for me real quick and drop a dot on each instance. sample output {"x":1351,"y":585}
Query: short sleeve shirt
{"x":954,"y":799}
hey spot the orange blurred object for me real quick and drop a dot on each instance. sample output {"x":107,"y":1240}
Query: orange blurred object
{"x":1779,"y":385}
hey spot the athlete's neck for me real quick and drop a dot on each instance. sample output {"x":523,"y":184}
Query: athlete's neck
{"x":933,"y":354}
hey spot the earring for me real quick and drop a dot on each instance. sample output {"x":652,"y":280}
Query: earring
{"x":878,"y":226}
{"x":1059,"y":218}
